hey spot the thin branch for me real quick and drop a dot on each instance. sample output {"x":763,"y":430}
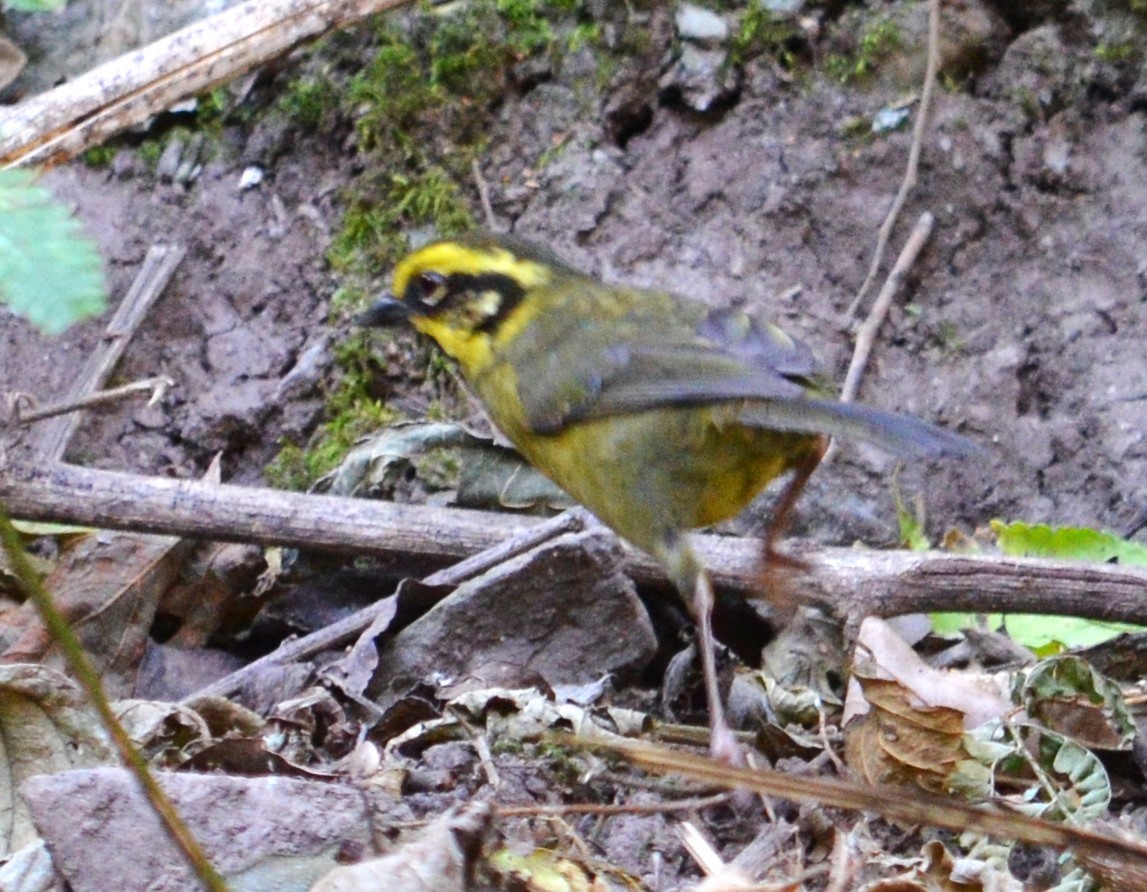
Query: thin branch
{"x":484,"y":196}
{"x":866,"y":334}
{"x":851,"y":582}
{"x":87,"y":110}
{"x":1121,"y":863}
{"x":153,"y":277}
{"x":910,"y":173}
{"x":157,"y":387}
{"x":695,"y":803}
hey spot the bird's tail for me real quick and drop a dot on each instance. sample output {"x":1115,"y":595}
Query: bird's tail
{"x":898,"y":434}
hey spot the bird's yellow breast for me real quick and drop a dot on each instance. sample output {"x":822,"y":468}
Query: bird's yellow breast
{"x":654,"y":473}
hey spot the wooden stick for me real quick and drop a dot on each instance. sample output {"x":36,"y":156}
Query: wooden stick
{"x":84,"y":112}
{"x":484,"y":195}
{"x":1121,"y":863}
{"x":866,"y":334}
{"x":158,"y":267}
{"x":913,"y":167}
{"x":156,"y":386}
{"x":853,"y":582}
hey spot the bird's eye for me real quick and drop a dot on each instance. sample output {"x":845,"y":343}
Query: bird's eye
{"x":429,"y":288}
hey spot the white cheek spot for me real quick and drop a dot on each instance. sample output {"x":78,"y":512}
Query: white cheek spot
{"x":487,"y":304}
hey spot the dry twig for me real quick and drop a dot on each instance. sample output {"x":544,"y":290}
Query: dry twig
{"x":157,"y":387}
{"x":158,"y":267}
{"x":1120,"y":863}
{"x":910,"y":173}
{"x":852,"y":582}
{"x":866,"y":334}
{"x":89,"y":109}
{"x":484,"y":196}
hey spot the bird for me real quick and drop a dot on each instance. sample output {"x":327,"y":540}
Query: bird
{"x":657,"y":412}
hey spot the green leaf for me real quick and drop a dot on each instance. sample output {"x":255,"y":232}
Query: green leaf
{"x":1048,"y":634}
{"x":50,"y":272}
{"x":1067,"y":543}
{"x":34,"y":5}
{"x":952,"y":623}
{"x":1045,"y":634}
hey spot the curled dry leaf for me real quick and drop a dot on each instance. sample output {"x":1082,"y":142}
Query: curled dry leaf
{"x":45,"y":727}
{"x":904,"y":721}
{"x":441,"y":859}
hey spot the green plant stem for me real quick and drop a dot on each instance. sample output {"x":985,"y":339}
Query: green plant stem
{"x":89,"y":680}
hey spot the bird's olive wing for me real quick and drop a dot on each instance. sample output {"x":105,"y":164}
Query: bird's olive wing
{"x":653,"y":360}
{"x":575,"y":375}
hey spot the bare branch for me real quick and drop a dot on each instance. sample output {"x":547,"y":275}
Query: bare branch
{"x":852,"y":582}
{"x":86,"y":111}
{"x":158,"y":267}
{"x":910,"y":173}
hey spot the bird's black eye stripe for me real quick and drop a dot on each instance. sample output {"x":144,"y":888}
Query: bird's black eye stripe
{"x":433,"y":292}
{"x":510,"y":290}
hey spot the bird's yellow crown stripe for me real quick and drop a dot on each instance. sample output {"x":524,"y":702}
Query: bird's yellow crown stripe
{"x":449,"y":258}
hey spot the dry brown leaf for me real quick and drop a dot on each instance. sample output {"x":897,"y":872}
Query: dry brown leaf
{"x":45,"y":727}
{"x":107,"y":585}
{"x":908,"y":720}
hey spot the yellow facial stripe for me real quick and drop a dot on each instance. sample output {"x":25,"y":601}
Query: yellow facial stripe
{"x":475,"y":350}
{"x":449,"y":258}
{"x":471,"y":351}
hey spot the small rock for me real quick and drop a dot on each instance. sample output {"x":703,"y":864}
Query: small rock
{"x":124,"y":165}
{"x":150,"y":417}
{"x":12,"y":61}
{"x":250,"y":178}
{"x":701,"y":78}
{"x":564,"y":610}
{"x":700,"y":25}
{"x":168,"y":162}
{"x":277,"y":832}
{"x":888,"y":119}
{"x":308,"y":370}
{"x":1037,"y":70}
{"x":229,"y":415}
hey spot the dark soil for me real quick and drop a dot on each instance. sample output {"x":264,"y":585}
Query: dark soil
{"x":1023,"y":324}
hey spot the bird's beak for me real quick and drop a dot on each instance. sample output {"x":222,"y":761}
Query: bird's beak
{"x":386,"y":313}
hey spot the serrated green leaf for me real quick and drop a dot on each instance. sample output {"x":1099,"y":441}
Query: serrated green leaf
{"x":50,"y":272}
{"x":1044,"y":634}
{"x":1069,"y":543}
{"x":34,"y":5}
{"x":1073,"y":784}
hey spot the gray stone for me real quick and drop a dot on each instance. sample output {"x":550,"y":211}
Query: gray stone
{"x":699,"y":24}
{"x":276,"y":832}
{"x":565,"y":610}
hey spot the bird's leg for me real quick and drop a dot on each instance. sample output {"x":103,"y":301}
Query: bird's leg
{"x":722,"y":741}
{"x":696,"y":590}
{"x":784,"y":507}
{"x":774,"y":585}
